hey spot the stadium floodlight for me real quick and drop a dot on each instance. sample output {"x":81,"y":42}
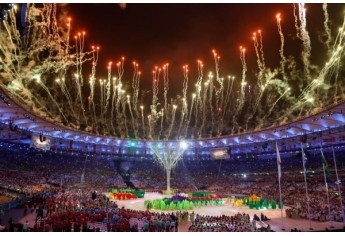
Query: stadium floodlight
{"x":183,"y":145}
{"x":168,"y":155}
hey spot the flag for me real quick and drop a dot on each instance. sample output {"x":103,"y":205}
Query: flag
{"x":325,"y":164}
{"x":278,"y":162}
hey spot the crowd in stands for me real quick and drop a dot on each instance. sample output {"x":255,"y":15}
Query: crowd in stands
{"x":237,"y":223}
{"x":24,"y":172}
{"x":75,"y":210}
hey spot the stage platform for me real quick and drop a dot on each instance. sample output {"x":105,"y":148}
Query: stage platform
{"x":228,"y":209}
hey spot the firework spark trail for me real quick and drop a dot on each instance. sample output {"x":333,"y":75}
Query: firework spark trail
{"x":137,"y":92}
{"x":216,"y":59}
{"x":108,"y":95}
{"x":165,"y":89}
{"x":331,"y":67}
{"x":262,"y":50}
{"x":49,"y":16}
{"x":9,"y":34}
{"x":261,"y":74}
{"x":82,"y":47}
{"x":204,"y":110}
{"x":172,"y":121}
{"x":184,"y":110}
{"x":157,"y":114}
{"x":102,"y":115}
{"x":14,"y":30}
{"x":143,"y":119}
{"x":80,"y":97}
{"x":113,"y":99}
{"x":101,"y":82}
{"x":200,"y":78}
{"x":241,"y":96}
{"x":338,"y":46}
{"x":68,"y":35}
{"x":134,"y":77}
{"x":326,"y":72}
{"x":190,"y":114}
{"x":339,"y":53}
{"x":336,"y":81}
{"x":77,"y":53}
{"x":42,"y":105}
{"x":256,"y":47}
{"x":326,"y":25}
{"x":305,"y":94}
{"x":6,"y":62}
{"x":135,"y":86}
{"x":275,"y":103}
{"x":132,"y":117}
{"x":28,"y":97}
{"x":95,"y":51}
{"x":338,"y":38}
{"x":108,"y":89}
{"x":210,"y":100}
{"x":123,"y":103}
{"x":306,"y":41}
{"x":181,"y":119}
{"x":281,"y":50}
{"x":150,"y":127}
{"x":228,"y":94}
{"x":298,"y":30}
{"x":155,"y":90}
{"x":154,"y":114}
{"x":81,"y":56}
{"x":162,"y":120}
{"x":61,"y":83}
{"x":78,"y":75}
{"x":243,"y":82}
{"x":166,"y":85}
{"x":51,"y":97}
{"x":220,"y":107}
{"x":120,"y":93}
{"x":219,"y":92}
{"x":268,"y":76}
{"x":118,"y":112}
{"x":197,"y":98}
{"x":53,"y":26}
{"x":29,"y":25}
{"x":185,"y":82}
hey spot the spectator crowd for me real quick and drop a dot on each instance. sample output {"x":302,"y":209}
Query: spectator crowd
{"x":60,"y":186}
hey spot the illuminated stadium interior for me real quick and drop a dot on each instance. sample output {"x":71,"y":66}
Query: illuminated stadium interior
{"x":141,"y":136}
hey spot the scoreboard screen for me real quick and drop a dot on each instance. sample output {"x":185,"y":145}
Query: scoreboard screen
{"x":220,"y":153}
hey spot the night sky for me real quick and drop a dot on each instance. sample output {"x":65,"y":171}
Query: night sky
{"x":154,"y":34}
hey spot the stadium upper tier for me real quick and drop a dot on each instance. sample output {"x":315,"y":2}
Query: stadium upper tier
{"x":21,"y":126}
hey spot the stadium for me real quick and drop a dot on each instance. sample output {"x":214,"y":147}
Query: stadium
{"x":191,"y":150}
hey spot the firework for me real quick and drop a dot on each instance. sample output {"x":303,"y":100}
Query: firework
{"x":45,"y":69}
